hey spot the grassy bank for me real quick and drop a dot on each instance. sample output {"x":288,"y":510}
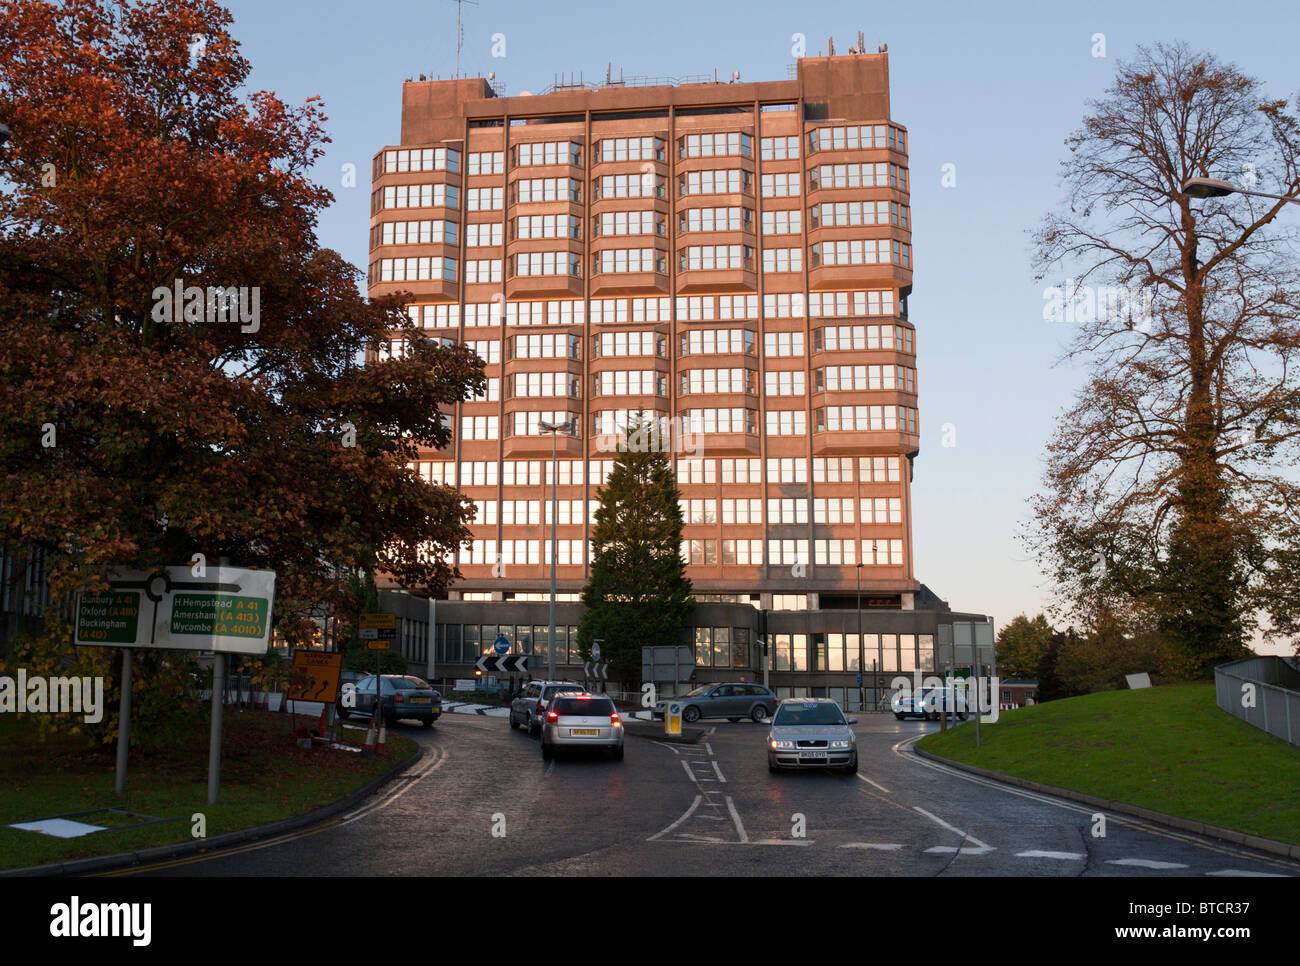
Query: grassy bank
{"x":1169,"y":749}
{"x":265,"y":777}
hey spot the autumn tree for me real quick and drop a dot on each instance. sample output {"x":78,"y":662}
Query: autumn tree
{"x":1022,"y":643}
{"x":638,"y":593}
{"x":236,"y":420}
{"x":1167,"y":494}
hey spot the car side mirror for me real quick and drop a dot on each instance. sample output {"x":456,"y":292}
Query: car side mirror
{"x":853,"y":721}
{"x":766,"y":721}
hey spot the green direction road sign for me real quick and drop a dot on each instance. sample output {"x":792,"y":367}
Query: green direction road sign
{"x":220,"y":609}
{"x":112,"y":618}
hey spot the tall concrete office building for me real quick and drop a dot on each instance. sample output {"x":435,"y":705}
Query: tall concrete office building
{"x":732,"y":259}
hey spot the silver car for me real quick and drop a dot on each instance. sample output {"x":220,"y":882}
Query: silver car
{"x":811,"y":733}
{"x":582,"y":721}
{"x":526,"y":710}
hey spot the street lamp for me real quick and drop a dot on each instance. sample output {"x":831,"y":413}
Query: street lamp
{"x":1217,"y":188}
{"x":553,"y":428}
{"x":862,"y":693}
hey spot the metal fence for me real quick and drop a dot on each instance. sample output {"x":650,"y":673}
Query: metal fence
{"x":1262,"y":691}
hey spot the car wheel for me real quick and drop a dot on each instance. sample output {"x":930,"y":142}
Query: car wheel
{"x":343,"y":714}
{"x":691,"y":714}
{"x":618,"y":753}
{"x":852,"y":767}
{"x":427,"y":722}
{"x":548,"y":753}
{"x":900,"y":717}
{"x":733,"y":720}
{"x":770,"y":766}
{"x":758,"y":714}
{"x":532,"y":731}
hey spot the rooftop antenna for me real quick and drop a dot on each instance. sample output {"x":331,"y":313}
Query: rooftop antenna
{"x":460,"y":31}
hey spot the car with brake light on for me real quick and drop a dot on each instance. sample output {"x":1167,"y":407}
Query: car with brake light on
{"x":582,"y":721}
{"x":401,"y":696}
{"x":811,"y":733}
{"x":733,"y":701}
{"x":928,"y":703}
{"x":527,"y":709}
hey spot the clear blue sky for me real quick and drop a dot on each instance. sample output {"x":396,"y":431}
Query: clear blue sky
{"x":992,"y":88}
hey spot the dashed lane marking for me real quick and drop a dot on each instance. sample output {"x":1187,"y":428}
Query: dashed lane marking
{"x":1048,"y":854}
{"x":1147,"y":863}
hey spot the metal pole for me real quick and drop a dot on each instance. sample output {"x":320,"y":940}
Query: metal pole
{"x":123,"y":723}
{"x":431,"y":665}
{"x":555,"y":516}
{"x":975,"y":678}
{"x":862,"y":663}
{"x":214,"y":738}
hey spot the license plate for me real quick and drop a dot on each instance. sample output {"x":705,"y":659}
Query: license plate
{"x":812,"y":754}
{"x":420,"y":700}
{"x":584,"y":731}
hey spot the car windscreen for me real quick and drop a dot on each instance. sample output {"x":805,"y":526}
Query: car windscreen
{"x":797,"y":713}
{"x":583,"y":706}
{"x":408,"y":684}
{"x":698,"y":691}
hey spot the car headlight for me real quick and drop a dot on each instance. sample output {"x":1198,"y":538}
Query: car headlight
{"x":781,"y":743}
{"x":842,"y":743}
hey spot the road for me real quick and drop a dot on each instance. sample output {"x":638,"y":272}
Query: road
{"x":483,"y":802}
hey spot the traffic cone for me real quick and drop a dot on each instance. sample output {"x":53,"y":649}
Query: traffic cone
{"x":382,"y":748}
{"x":368,"y":747}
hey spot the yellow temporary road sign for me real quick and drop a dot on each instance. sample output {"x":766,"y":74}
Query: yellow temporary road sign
{"x":315,"y":676}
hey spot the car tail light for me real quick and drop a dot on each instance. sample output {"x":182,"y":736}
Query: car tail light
{"x":552,"y":716}
{"x":397,"y":698}
{"x":614,"y":718}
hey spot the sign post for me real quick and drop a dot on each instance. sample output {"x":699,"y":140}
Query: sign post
{"x":227,"y":611}
{"x":377,"y":630}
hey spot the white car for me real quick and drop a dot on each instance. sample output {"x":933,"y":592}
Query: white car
{"x":929,"y":703}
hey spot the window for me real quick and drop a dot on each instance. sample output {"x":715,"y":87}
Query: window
{"x":530,"y":424}
{"x":546,"y":226}
{"x":547,"y":346}
{"x":630,"y":310}
{"x":635,"y":382}
{"x":699,"y":511}
{"x":783,"y":343}
{"x":851,"y":214}
{"x":784,"y":383}
{"x":787,"y":470}
{"x":716,"y":219}
{"x":783,"y":306}
{"x":834,"y":470}
{"x":483,"y":233}
{"x":414,"y":233}
{"x":546,"y":384}
{"x":720,"y":420}
{"x":830,"y":304}
{"x":742,"y":511}
{"x":787,"y":510}
{"x":741,"y":471}
{"x":416,"y":269}
{"x":630,"y":149}
{"x":709,"y":257}
{"x":783,"y":259}
{"x":488,"y":270}
{"x":488,"y":350}
{"x":717,"y":380}
{"x":840,"y":378}
{"x":629,"y":344}
{"x":483,"y":199}
{"x":882,"y":553}
{"x":630,"y":223}
{"x":787,"y":552}
{"x":489,"y":162}
{"x":743,"y":553}
{"x":833,"y":509}
{"x":646,"y":185}
{"x":548,"y":152}
{"x":419,"y":196}
{"x":780,"y":185}
{"x":779,"y":148}
{"x":558,"y":312}
{"x":717,"y":342}
{"x":882,"y":509}
{"x":479,"y":427}
{"x":528,"y":190}
{"x":787,"y":422}
{"x":547,"y":263}
{"x":834,"y":553}
{"x":714,"y":182}
{"x":695,"y":471}
{"x":879,"y":175}
{"x":858,"y":136}
{"x":782,"y":222}
{"x":421,"y":159}
{"x":721,"y":144}
{"x":624,"y":260}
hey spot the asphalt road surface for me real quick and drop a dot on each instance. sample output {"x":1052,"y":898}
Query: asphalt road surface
{"x":483,"y":802}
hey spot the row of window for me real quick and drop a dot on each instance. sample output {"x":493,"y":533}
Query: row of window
{"x":420,"y":159}
{"x":878,"y":510}
{"x":884,"y":653}
{"x":690,"y":472}
{"x":877,"y":553}
{"x":878,"y":175}
{"x":832,"y":419}
{"x":547,"y":152}
{"x":844,"y":378}
{"x":854,"y":137}
{"x":856,"y":251}
{"x":715,"y":145}
{"x":533,"y":512}
{"x":695,"y":308}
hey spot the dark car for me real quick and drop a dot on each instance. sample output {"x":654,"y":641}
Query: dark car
{"x":527,"y":709}
{"x":733,"y":701}
{"x":402,"y":696}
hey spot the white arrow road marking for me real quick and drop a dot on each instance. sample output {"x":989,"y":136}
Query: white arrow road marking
{"x":689,"y":812}
{"x":735,"y":817}
{"x":882,"y":846}
{"x":1147,"y":863}
{"x":1046,"y":854}
{"x":1251,"y":875}
{"x":980,"y":847}
{"x":687,"y":836}
{"x":781,"y":842}
{"x":875,"y":785}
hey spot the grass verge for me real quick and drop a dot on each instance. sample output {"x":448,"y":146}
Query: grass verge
{"x":265,"y":778}
{"x":1169,"y":749}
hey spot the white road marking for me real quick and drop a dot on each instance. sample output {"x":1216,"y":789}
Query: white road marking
{"x":709,"y":748}
{"x":875,"y":784}
{"x":980,"y":846}
{"x":689,"y":812}
{"x":718,"y":772}
{"x":664,"y":744}
{"x":689,"y":774}
{"x":384,"y":803}
{"x":1047,"y":854}
{"x":687,"y":836}
{"x":1147,"y":863}
{"x":735,"y":817}
{"x":882,"y":846}
{"x":1252,"y":875}
{"x":959,"y":849}
{"x":781,"y":842}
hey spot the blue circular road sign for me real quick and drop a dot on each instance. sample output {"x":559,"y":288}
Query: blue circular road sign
{"x":502,"y":645}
